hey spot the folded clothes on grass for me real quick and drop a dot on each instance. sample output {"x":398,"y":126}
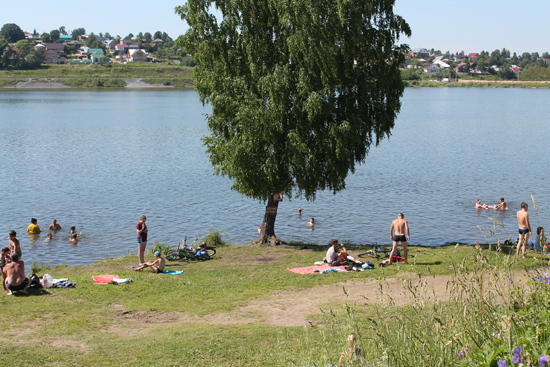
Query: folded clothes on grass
{"x":64,"y":284}
{"x":122,"y":281}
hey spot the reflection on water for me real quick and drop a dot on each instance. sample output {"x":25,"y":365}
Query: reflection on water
{"x":98,"y":160}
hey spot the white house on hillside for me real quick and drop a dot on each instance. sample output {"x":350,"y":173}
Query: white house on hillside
{"x":432,"y":69}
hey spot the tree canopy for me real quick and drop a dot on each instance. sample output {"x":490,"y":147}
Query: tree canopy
{"x":12,"y":33}
{"x":78,"y":32}
{"x":300,"y":89}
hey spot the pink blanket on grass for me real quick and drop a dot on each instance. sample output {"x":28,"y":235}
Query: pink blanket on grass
{"x":311,"y":269}
{"x":104,"y":279}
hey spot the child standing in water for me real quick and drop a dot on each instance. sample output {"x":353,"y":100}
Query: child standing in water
{"x":49,"y":238}
{"x":15,"y":246}
{"x":73,"y":235}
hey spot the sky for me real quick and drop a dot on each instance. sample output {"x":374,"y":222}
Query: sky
{"x":466,"y":25}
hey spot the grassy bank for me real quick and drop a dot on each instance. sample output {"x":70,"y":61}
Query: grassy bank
{"x":243,"y":307}
{"x":480,"y":84}
{"x":86,"y":76}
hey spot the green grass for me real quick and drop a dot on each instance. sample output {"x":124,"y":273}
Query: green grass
{"x":98,"y":76}
{"x":167,"y":320}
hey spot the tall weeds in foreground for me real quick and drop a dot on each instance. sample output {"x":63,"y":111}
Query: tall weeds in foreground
{"x":488,"y":312}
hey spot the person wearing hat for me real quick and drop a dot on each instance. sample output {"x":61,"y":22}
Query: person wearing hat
{"x":157,"y":265}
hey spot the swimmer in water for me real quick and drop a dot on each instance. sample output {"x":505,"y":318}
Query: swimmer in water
{"x":55,"y":226}
{"x":502,"y":205}
{"x":311,"y":223}
{"x":299,"y":212}
{"x":49,"y":238}
{"x":479,"y":206}
{"x":73,"y":235}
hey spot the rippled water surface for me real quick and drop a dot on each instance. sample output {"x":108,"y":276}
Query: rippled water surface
{"x":100,"y":159}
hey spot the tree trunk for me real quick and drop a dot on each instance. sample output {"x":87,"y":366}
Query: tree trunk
{"x":267,"y":232}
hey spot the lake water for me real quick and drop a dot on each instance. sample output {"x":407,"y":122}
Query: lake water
{"x":100,"y":159}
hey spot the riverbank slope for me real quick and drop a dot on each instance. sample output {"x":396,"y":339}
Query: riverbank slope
{"x":243,"y":307}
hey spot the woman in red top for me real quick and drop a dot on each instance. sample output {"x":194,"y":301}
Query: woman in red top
{"x":141,"y":229}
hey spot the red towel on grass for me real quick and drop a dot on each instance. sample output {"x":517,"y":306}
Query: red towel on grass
{"x":311,"y":269}
{"x":104,"y":279}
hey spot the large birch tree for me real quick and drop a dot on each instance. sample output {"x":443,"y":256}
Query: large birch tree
{"x":300,"y":90}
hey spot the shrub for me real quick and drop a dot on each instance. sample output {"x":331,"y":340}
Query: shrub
{"x":215,"y":238}
{"x":159,"y":247}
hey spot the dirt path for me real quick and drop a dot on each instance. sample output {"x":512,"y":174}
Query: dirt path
{"x":295,"y":308}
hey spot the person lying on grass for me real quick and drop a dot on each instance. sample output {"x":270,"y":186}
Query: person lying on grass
{"x":157,"y":265}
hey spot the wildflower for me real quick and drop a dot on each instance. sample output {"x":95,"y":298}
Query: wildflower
{"x":460,"y":353}
{"x":510,"y":280}
{"x":501,"y":364}
{"x":543,"y":360}
{"x":517,"y":355}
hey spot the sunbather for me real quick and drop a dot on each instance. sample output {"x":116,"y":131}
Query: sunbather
{"x":157,"y":265}
{"x":336,"y":254}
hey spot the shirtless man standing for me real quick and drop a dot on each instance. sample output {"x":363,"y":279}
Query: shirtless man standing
{"x":524,"y":229}
{"x":15,"y":276}
{"x":400,"y":225}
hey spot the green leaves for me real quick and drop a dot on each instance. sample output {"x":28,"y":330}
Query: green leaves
{"x":299,"y":89}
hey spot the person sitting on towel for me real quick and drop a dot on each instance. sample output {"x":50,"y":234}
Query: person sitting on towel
{"x":157,"y":265}
{"x":336,"y":254}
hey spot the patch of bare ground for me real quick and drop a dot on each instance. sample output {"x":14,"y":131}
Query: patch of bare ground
{"x":294,"y":308}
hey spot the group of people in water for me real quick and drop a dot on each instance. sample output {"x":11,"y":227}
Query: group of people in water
{"x":33,"y":229}
{"x":11,"y":264}
{"x":500,"y":206}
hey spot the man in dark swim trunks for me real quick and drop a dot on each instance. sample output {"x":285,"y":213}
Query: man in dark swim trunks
{"x":524,"y":229}
{"x":400,"y":225}
{"x":15,"y":276}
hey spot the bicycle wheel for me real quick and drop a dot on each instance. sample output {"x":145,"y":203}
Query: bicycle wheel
{"x":211,"y":251}
{"x":173,"y":255}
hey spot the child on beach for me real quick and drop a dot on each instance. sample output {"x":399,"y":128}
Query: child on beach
{"x":55,"y":226}
{"x":157,"y":265}
{"x":73,"y":235}
{"x":5,"y":258}
{"x":15,"y":247}
{"x":49,"y":238}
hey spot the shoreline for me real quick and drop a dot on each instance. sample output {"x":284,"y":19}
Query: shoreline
{"x":90,"y":83}
{"x":184,"y":83}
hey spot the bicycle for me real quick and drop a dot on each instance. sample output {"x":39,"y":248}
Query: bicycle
{"x":186,"y":252}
